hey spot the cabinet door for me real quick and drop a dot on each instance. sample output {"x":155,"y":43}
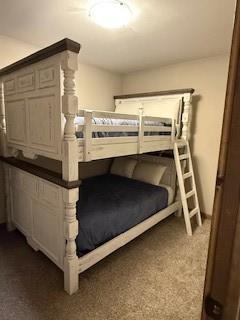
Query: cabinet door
{"x":21,"y":209}
{"x":16,"y":121}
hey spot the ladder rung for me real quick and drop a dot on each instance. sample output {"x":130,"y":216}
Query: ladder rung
{"x":181,"y":144}
{"x":193,"y":212}
{"x":184,"y":156}
{"x":190,"y":194}
{"x":187,"y":175}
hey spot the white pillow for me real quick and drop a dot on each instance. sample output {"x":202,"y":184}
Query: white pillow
{"x":149,"y":172}
{"x":123,"y":167}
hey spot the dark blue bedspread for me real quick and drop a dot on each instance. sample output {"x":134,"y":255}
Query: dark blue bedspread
{"x":110,"y":205}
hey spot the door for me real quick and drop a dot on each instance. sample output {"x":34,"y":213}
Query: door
{"x":222,"y":284}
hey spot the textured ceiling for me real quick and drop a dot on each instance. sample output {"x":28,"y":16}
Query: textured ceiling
{"x":162,"y":32}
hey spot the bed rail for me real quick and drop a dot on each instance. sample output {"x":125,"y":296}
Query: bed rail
{"x":103,"y":130}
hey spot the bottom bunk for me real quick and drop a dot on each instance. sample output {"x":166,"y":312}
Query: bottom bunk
{"x":119,"y":241}
{"x":112,"y":210}
{"x":110,"y":205}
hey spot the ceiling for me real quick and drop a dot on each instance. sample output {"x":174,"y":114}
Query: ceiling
{"x":163,"y":31}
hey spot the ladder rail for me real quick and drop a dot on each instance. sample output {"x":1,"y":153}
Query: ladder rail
{"x":199,"y":219}
{"x":182,"y":177}
{"x":182,"y":190}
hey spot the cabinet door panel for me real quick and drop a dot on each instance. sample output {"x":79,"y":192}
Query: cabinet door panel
{"x":20,"y":210}
{"x":16,"y":121}
{"x":46,"y":230}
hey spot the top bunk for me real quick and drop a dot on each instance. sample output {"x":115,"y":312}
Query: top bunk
{"x":40,"y":114}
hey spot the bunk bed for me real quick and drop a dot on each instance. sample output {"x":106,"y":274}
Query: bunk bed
{"x":40,"y":116}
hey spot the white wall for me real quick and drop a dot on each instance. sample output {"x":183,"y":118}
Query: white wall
{"x":208,"y":77}
{"x":95,"y":87}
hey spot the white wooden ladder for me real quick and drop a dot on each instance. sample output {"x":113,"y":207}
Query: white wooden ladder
{"x":184,"y":167}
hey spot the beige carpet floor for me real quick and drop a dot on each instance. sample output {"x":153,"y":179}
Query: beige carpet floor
{"x":158,"y":276}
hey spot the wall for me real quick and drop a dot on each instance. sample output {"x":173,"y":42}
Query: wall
{"x":208,"y":77}
{"x":95,"y":87}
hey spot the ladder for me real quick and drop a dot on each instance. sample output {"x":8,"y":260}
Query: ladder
{"x":183,"y":161}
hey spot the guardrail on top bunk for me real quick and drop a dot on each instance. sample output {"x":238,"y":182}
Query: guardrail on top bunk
{"x":112,"y":132}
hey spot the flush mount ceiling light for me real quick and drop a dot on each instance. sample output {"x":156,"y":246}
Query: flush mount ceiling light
{"x":110,"y":14}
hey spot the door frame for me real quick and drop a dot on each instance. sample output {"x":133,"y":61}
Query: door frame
{"x":222,"y":284}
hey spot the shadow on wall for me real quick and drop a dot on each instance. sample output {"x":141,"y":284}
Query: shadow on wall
{"x":195,"y":102}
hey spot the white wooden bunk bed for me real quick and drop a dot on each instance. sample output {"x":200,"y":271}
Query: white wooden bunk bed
{"x":40,"y":116}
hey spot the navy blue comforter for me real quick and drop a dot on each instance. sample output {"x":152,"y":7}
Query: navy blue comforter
{"x":110,"y":205}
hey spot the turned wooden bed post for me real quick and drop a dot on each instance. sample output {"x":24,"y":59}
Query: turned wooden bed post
{"x":70,"y":197}
{"x":70,"y":170}
{"x":69,"y":109}
{"x":186,"y":116}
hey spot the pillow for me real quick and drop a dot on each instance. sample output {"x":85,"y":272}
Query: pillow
{"x":123,"y":167}
{"x":149,"y":172}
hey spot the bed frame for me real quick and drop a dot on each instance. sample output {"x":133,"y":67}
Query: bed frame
{"x":38,"y":107}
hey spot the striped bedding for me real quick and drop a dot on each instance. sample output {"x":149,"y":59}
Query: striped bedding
{"x":123,"y":122}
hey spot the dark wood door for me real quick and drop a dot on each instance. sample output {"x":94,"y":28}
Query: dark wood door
{"x":222,"y":285}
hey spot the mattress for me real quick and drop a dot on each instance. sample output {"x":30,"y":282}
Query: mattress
{"x":110,"y":205}
{"x":119,"y":122}
{"x":170,"y":191}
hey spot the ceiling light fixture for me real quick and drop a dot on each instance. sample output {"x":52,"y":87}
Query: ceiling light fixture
{"x":111,"y":14}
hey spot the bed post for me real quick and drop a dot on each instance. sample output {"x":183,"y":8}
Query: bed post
{"x":70,"y":170}
{"x":70,"y":198}
{"x":186,"y":117}
{"x":70,"y":109}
